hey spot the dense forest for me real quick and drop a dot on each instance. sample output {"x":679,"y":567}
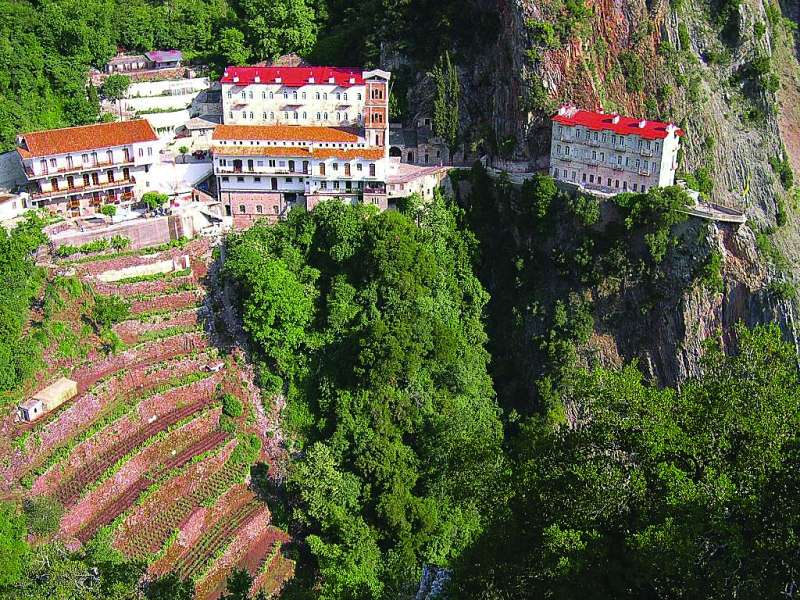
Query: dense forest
{"x":48,"y":46}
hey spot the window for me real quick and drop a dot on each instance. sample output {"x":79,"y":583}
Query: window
{"x":257,"y":179}
{"x":263,"y":95}
{"x":285,"y":95}
{"x":325,"y":96}
{"x":69,"y":162}
{"x":594,"y":154}
{"x":573,"y":176}
{"x":596,"y":136}
{"x":286,"y":114}
{"x":259,"y":209}
{"x":323,"y":185}
{"x":616,"y":183}
{"x":295,"y":115}
{"x":271,"y":163}
{"x":317,"y":95}
{"x":241,"y":208}
{"x":230,"y":94}
{"x":271,"y":95}
{"x":325,"y":116}
{"x":289,"y":180}
{"x":251,"y":95}
{"x":336,"y":185}
{"x":344,"y":95}
{"x":359,"y":167}
{"x":583,"y":178}
{"x":656,"y":146}
{"x":602,"y":157}
{"x":358,"y":96}
{"x":240,"y":179}
{"x":230,"y":114}
{"x":624,"y":186}
{"x":609,"y":182}
{"x":338,"y":96}
{"x":566,"y":150}
{"x":264,"y":115}
{"x":141,"y":152}
{"x":304,"y":95}
{"x":338,"y":117}
{"x":272,"y":115}
{"x":294,"y":95}
{"x":305,"y":115}
{"x":644,"y":188}
{"x":558,"y":149}
{"x":251,"y":114}
{"x":634,"y":187}
{"x":244,"y":95}
{"x":224,"y":179}
{"x":372,"y":169}
{"x":638,"y":162}
{"x":591,"y":178}
{"x":319,"y":116}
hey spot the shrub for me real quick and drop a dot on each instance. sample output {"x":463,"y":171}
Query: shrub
{"x":711,"y":273}
{"x":780,"y":212}
{"x":119,"y":242}
{"x":108,"y":210}
{"x":109,"y":310}
{"x":632,"y":70}
{"x":586,"y":209}
{"x":759,"y":29}
{"x":43,"y":514}
{"x":683,"y":36}
{"x":231,"y":405}
{"x":783,"y":169}
{"x":542,"y":33}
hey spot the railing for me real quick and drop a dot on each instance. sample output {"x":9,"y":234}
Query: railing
{"x":83,"y":189}
{"x":644,"y":172}
{"x":29,"y":172}
{"x":263,"y":171}
{"x":645,"y":152}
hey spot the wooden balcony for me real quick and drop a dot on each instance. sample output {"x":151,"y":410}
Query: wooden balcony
{"x":49,"y":172}
{"x":75,"y":191}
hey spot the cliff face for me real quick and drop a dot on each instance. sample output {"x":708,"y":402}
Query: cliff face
{"x":712,"y":67}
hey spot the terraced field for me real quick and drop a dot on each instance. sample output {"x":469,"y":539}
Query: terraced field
{"x":144,"y":451}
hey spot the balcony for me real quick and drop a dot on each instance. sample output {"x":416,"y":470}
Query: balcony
{"x":645,"y":152}
{"x":644,"y":172}
{"x":594,"y":143}
{"x":108,"y":185}
{"x":617,"y":167}
{"x":77,"y":168}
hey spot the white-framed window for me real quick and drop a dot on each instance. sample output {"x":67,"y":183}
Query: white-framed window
{"x":244,"y":95}
{"x":344,"y":95}
{"x":230,"y":94}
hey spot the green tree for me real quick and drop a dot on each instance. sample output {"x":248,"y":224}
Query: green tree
{"x":238,"y":586}
{"x":43,"y":514}
{"x":232,"y":48}
{"x":115,"y":87}
{"x":153,"y":200}
{"x":446,"y":101}
{"x":275,"y":27}
{"x":170,"y":587}
{"x":13,"y":548}
{"x":657,"y":493}
{"x":109,"y":310}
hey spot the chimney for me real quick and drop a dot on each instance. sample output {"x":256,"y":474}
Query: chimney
{"x":642,"y":124}
{"x":331,"y":80}
{"x":615,"y":119}
{"x":278,"y":80}
{"x":257,"y":79}
{"x":235,"y":79}
{"x":352,"y":80}
{"x":310,"y":80}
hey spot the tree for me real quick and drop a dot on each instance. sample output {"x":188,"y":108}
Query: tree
{"x":232,"y":48}
{"x":170,"y":587}
{"x":183,"y":150}
{"x":13,"y":547}
{"x":276,"y":27}
{"x":43,"y":514}
{"x":115,"y":87}
{"x":446,"y":102}
{"x":108,"y":209}
{"x":238,"y":586}
{"x":152,"y":200}
{"x":656,"y":493}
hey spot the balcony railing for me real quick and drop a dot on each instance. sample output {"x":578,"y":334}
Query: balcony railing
{"x":645,"y":172}
{"x":38,"y":195}
{"x":77,"y":168}
{"x":645,"y":152}
{"x":260,"y":171}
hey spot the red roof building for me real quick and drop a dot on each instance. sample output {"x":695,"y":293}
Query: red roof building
{"x":86,"y":137}
{"x":293,"y":76}
{"x":602,"y":121}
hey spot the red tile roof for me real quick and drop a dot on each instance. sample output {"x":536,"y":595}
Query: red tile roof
{"x":293,"y":76}
{"x":294,"y":133}
{"x":651,"y":130}
{"x":86,"y":137}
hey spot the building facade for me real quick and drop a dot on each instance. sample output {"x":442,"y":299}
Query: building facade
{"x":307,"y":96}
{"x":262,"y":171}
{"x":75,"y":170}
{"x":610,"y":154}
{"x":294,"y":136}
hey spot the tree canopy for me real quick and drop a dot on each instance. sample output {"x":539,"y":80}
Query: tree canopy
{"x":374,"y":324}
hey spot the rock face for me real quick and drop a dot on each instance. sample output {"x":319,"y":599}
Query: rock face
{"x":697,"y":67}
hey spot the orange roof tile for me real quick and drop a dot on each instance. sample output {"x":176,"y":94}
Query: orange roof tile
{"x":284,"y":132}
{"x":289,"y":151}
{"x":85,"y":137}
{"x":348,"y":153}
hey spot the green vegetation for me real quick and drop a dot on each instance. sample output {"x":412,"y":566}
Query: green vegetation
{"x":13,"y":547}
{"x":116,"y":242}
{"x":632,"y":70}
{"x":109,"y":310}
{"x":232,"y":406}
{"x":108,"y":209}
{"x":445,"y":102}
{"x":154,"y":277}
{"x":115,"y":87}
{"x":376,"y":325}
{"x":42,"y":514}
{"x":642,"y":497}
{"x":711,"y":273}
{"x":22,"y":282}
{"x":154,"y":200}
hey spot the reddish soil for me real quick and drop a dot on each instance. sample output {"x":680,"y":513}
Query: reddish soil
{"x":175,"y":301}
{"x":196,"y":247}
{"x":130,"y":331}
{"x":129,"y":496}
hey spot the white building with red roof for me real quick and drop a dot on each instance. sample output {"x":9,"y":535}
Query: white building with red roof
{"x":75,"y":170}
{"x":608,"y":153}
{"x":296,"y":135}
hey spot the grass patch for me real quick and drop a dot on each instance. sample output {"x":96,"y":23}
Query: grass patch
{"x":154,"y":277}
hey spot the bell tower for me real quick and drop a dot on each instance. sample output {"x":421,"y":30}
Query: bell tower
{"x":376,"y":109}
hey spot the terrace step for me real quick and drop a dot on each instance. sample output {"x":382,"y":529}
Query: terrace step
{"x":70,"y":491}
{"x":129,"y":496}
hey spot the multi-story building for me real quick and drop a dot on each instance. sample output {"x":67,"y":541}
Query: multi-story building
{"x":265,"y":170}
{"x":609,"y":154}
{"x":316,"y":96}
{"x":75,"y":170}
{"x":298,"y":135}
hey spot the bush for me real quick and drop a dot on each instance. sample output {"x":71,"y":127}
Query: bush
{"x":683,"y":36}
{"x":784,"y":290}
{"x":109,"y":310}
{"x":542,"y":33}
{"x":783,"y":169}
{"x":108,"y":209}
{"x":43,"y":514}
{"x":632,"y":70}
{"x":586,"y":209}
{"x":711,"y":273}
{"x":231,"y":405}
{"x":119,"y":242}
